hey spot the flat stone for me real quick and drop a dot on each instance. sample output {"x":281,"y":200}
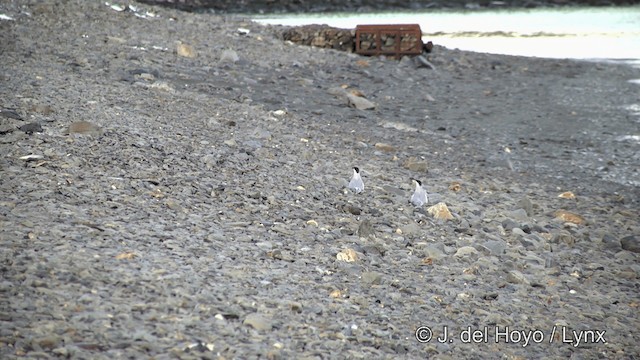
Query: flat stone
{"x":258,"y":322}
{"x":385,"y":147}
{"x":495,"y":247}
{"x":509,"y":224}
{"x":518,"y":215}
{"x":371,"y":278}
{"x":360,"y":103}
{"x":84,"y":128}
{"x":611,"y":242}
{"x":365,"y":229}
{"x":411,"y":229}
{"x":466,"y":251}
{"x":434,"y":252}
{"x":30,"y":128}
{"x":569,"y":217}
{"x":418,"y":166}
{"x":516,"y":277}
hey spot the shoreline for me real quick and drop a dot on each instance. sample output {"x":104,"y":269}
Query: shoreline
{"x":563,"y":36}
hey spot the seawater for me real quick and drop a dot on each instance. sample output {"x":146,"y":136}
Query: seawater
{"x":567,"y":32}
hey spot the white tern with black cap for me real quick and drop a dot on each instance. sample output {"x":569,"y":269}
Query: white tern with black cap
{"x":356,"y":184}
{"x":419,"y":196}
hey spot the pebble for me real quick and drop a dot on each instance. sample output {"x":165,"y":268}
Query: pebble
{"x":84,"y":128}
{"x":10,"y":113}
{"x":466,"y":251}
{"x":366,"y":230}
{"x":185,"y":50}
{"x":509,"y":224}
{"x":352,"y":209}
{"x":385,"y":147}
{"x":516,"y":277}
{"x":518,"y":215}
{"x":434,"y":251}
{"x":360,"y":103}
{"x":411,"y":229}
{"x":631,"y":243}
{"x":416,"y":165}
{"x":494,"y":247}
{"x":569,"y":217}
{"x":518,"y":232}
{"x":229,"y":56}
{"x":258,"y":322}
{"x":31,"y":128}
{"x":371,"y":278}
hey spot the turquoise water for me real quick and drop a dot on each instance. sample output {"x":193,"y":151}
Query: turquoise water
{"x":581,"y":33}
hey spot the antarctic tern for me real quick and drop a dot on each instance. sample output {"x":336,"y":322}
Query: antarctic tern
{"x":356,"y":184}
{"x":419,"y":196}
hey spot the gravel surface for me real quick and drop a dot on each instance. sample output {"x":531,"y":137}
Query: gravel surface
{"x":270,"y":6}
{"x":179,"y":192}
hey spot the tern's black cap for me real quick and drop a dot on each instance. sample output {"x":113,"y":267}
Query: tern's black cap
{"x":357,"y":169}
{"x":418,"y":181}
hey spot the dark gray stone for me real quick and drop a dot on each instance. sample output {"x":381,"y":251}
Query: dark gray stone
{"x":631,"y":243}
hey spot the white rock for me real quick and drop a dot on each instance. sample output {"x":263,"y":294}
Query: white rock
{"x":229,"y":56}
{"x":465,"y":251}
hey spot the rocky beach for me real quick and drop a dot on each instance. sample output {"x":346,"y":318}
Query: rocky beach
{"x":298,"y":6}
{"x":174,"y":185}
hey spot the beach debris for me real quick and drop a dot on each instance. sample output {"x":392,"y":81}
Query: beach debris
{"x":392,"y":40}
{"x":31,"y":157}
